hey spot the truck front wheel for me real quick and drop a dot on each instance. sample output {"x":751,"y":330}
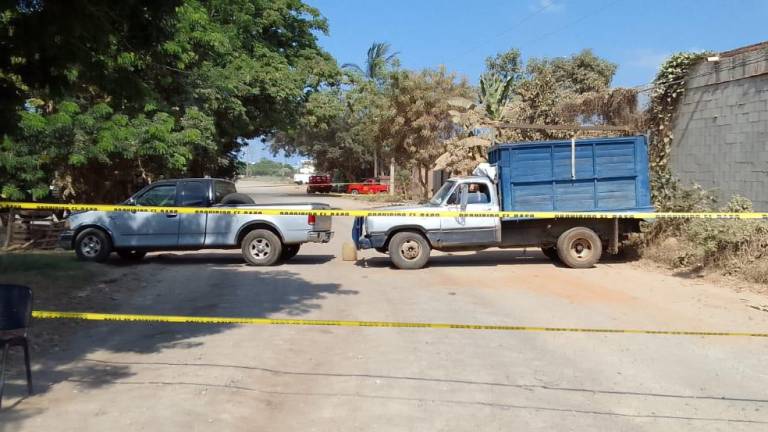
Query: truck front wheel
{"x":409,"y":250}
{"x":579,"y":247}
{"x":261,"y":247}
{"x":93,"y":245}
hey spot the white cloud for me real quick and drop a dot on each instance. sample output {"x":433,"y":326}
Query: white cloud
{"x":549,"y":6}
{"x":647,"y":58}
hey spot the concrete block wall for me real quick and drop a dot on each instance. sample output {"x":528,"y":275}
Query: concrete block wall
{"x":721,"y":128}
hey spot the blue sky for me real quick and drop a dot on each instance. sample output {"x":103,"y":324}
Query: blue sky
{"x":635,"y":34}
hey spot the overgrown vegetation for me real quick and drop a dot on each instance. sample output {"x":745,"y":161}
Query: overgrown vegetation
{"x":733,"y":247}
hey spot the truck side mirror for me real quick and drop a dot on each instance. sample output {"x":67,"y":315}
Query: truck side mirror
{"x":464,"y":196}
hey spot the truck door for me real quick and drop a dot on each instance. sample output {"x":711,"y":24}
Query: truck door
{"x":149,"y":230}
{"x":193,"y":193}
{"x":471,"y":230}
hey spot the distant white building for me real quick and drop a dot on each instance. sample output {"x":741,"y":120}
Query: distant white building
{"x":306,"y":169}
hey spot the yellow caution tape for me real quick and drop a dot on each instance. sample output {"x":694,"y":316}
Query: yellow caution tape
{"x":255,"y":210}
{"x":90,"y":316}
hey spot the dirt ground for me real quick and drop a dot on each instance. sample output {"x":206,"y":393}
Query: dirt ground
{"x":181,"y":377}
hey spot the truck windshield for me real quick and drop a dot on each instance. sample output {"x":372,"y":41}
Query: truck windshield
{"x":442,"y":193}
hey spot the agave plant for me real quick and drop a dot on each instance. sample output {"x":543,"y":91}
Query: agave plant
{"x":495,"y":93}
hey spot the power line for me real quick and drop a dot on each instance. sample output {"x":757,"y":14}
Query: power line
{"x":546,"y":5}
{"x":572,"y":23}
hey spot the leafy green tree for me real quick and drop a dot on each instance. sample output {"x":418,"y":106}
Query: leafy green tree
{"x":338,"y":128}
{"x":579,"y":73}
{"x":266,"y":167}
{"x":103,"y":95}
{"x":507,"y":64}
{"x":419,"y":123}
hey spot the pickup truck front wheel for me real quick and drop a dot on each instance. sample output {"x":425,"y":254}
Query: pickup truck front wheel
{"x":261,"y":247}
{"x":579,"y":247}
{"x":409,"y":250}
{"x":93,"y":245}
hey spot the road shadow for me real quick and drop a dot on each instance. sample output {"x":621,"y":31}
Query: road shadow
{"x":222,"y":290}
{"x":202,"y":258}
{"x":489,"y":258}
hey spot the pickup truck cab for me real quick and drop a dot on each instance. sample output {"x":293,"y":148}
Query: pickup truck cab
{"x":605,"y":174}
{"x":367,"y":186}
{"x":263,"y":239}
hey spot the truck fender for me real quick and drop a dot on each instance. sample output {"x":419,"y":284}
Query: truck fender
{"x":259,"y":224}
{"x":84,"y":227}
{"x":416,"y":228}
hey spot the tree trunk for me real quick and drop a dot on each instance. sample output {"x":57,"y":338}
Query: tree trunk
{"x":392,"y":176}
{"x":375,"y":162}
{"x":423,"y":176}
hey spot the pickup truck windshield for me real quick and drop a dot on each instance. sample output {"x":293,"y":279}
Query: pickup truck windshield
{"x":442,"y":193}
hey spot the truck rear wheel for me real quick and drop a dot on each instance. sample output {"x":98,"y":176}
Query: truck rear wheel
{"x":261,"y":247}
{"x":409,"y":250}
{"x":579,"y":247}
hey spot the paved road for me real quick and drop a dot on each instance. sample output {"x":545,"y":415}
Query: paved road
{"x":122,"y":376}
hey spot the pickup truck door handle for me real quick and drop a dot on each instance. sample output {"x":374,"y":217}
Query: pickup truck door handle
{"x":171,"y":215}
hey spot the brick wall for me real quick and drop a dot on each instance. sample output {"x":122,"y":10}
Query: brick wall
{"x":721,"y":128}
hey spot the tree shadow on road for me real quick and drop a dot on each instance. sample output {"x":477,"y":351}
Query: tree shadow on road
{"x":222,"y":289}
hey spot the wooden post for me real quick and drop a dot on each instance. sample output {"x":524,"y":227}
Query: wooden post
{"x":9,"y":229}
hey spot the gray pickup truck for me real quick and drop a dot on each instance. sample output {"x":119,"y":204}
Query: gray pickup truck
{"x":264,"y":239}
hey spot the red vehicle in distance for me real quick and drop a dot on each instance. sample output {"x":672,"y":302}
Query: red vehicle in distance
{"x":320,"y":183}
{"x":367,"y":186}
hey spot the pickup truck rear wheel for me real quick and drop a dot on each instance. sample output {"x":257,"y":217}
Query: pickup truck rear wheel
{"x":409,"y":250}
{"x":261,"y":247}
{"x":93,"y":245}
{"x":579,"y":247}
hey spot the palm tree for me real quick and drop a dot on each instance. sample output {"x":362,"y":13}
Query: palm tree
{"x":377,"y":60}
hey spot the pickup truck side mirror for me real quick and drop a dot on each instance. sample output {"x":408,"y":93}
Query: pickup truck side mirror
{"x":130,"y":201}
{"x":464,"y":196}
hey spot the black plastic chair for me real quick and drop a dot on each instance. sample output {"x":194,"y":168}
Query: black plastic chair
{"x":15,"y":315}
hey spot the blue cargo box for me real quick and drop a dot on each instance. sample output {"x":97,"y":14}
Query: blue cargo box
{"x":598,"y":174}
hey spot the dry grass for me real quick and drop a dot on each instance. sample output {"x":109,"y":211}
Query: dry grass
{"x":736,"y":248}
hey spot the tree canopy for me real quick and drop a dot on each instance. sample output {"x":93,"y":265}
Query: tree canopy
{"x":104,"y":94}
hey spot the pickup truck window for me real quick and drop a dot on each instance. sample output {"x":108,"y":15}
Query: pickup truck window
{"x":194,"y":194}
{"x":222,"y":189}
{"x":442,"y":193}
{"x":478,"y":194}
{"x":160,"y":196}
